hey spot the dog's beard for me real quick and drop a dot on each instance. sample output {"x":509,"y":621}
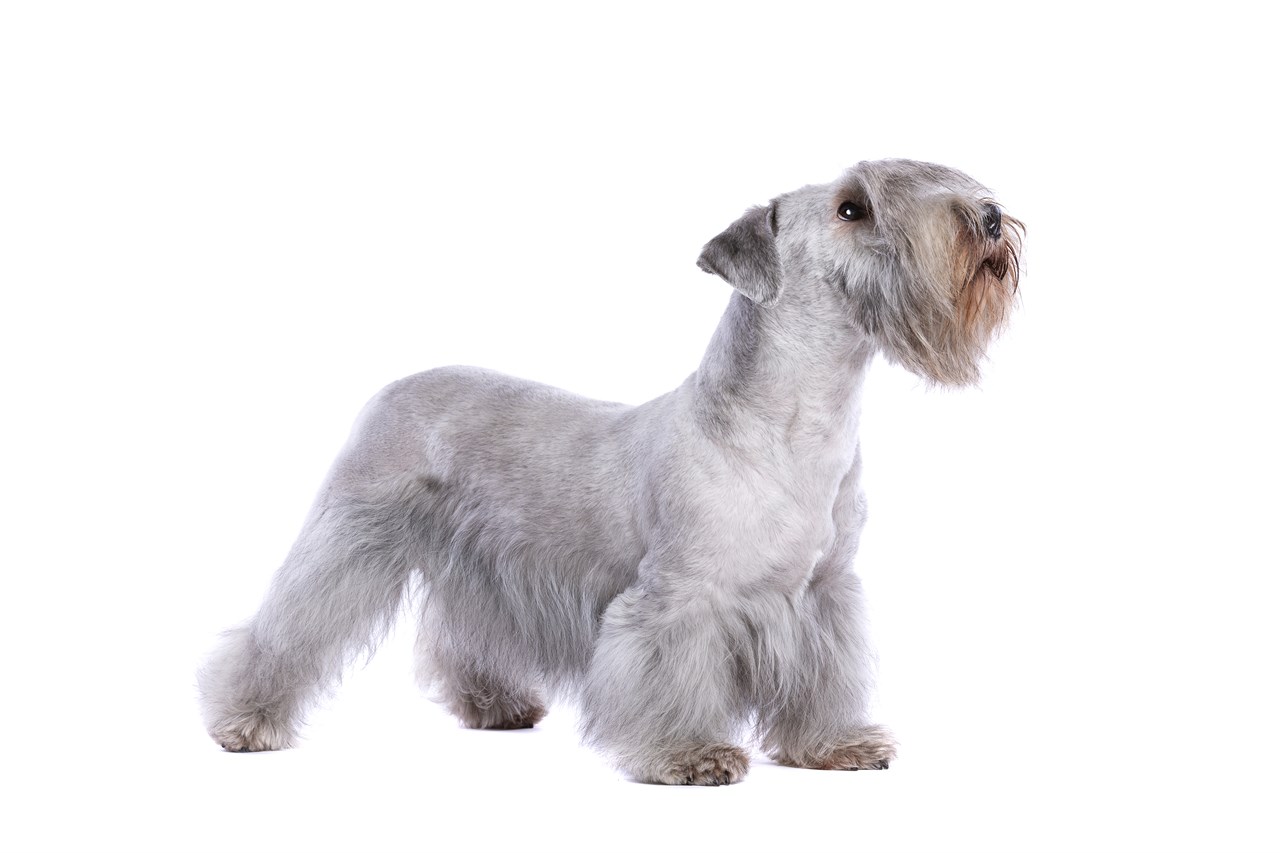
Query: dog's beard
{"x":934,"y":308}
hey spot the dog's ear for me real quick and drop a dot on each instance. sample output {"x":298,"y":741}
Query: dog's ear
{"x":746,"y":255}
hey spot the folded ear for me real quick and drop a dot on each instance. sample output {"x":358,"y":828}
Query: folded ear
{"x":746,"y":256}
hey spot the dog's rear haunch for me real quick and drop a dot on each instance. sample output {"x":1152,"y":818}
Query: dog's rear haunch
{"x":683,"y":568}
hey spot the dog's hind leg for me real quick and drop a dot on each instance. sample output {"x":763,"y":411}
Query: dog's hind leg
{"x":482,"y":697}
{"x":471,"y":658}
{"x":334,"y":597}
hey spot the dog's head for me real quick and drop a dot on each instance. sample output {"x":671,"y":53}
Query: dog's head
{"x":919,"y":256}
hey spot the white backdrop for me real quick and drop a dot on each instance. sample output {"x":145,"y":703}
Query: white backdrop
{"x":224,"y":226}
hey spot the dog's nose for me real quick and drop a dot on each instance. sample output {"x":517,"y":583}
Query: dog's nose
{"x":991,"y":220}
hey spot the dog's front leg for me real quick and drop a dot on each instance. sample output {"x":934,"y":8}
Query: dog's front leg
{"x":813,"y":703}
{"x":662,"y":698}
{"x":816,"y":715}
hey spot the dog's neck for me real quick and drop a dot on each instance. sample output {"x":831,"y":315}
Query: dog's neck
{"x":788,"y":376}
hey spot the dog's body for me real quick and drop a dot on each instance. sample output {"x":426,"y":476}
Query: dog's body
{"x":684,"y":566}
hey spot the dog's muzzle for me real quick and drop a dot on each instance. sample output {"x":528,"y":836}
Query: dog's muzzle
{"x":991,"y":221}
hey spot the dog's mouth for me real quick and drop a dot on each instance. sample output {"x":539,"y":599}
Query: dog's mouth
{"x":1001,"y":261}
{"x":997,"y":265}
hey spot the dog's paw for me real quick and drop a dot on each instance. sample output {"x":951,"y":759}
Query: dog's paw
{"x":501,"y":712}
{"x":255,"y":732}
{"x":524,"y":717}
{"x":709,"y":764}
{"x":866,"y":748}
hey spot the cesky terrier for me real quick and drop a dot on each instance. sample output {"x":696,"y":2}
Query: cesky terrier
{"x":683,"y":568}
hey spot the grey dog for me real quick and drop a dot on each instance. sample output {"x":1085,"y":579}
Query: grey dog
{"x":682,"y":567}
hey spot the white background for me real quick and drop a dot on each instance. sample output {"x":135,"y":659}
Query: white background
{"x":224,"y":226}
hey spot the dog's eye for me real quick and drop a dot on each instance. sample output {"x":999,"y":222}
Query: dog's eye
{"x":851,"y":210}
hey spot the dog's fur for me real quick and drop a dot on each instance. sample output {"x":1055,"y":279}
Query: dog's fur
{"x":683,"y":566}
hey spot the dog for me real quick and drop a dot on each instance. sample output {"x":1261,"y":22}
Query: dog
{"x":684,"y":567}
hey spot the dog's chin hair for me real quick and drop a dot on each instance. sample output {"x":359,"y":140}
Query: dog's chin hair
{"x":938,"y":322}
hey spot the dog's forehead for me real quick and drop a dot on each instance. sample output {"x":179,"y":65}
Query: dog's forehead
{"x":901,"y":180}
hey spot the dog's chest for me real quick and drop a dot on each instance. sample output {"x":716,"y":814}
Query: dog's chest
{"x":767,"y":525}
